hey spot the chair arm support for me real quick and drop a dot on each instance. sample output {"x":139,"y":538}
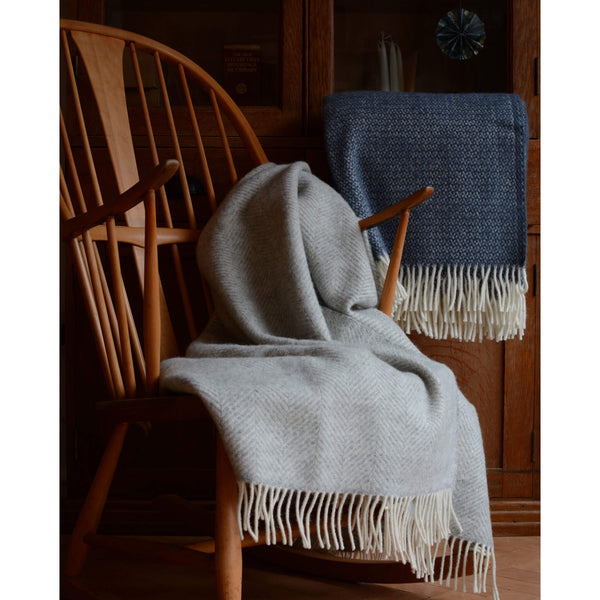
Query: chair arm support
{"x":393,"y":211}
{"x":136,"y":236}
{"x":122,"y":203}
{"x":402,"y":209}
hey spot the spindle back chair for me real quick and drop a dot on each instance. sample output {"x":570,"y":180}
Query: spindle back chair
{"x":96,"y":59}
{"x":117,"y":88}
{"x":150,"y":144}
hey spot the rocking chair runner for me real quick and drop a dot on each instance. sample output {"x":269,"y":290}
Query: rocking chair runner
{"x":102,"y":214}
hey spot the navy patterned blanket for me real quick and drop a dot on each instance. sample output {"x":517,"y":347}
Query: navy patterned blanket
{"x":463,"y":273}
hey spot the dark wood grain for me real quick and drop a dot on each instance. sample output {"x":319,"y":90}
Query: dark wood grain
{"x":319,"y":37}
{"x":533,"y":186}
{"x":520,"y":390}
{"x":517,"y":484}
{"x":90,"y":10}
{"x":291,"y":69}
{"x":511,"y":517}
{"x":525,"y":50}
{"x":537,"y":400}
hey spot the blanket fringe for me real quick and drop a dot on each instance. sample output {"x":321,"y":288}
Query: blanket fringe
{"x":397,"y":527}
{"x":453,"y":567}
{"x":464,"y":302}
{"x":359,"y":526}
{"x":481,"y":555}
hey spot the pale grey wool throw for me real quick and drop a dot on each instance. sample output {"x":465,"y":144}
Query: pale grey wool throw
{"x":330,"y":415}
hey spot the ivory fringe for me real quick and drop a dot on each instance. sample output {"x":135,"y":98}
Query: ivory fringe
{"x":392,"y":526}
{"x":463,"y":302}
{"x":399,"y":528}
{"x":452,"y":568}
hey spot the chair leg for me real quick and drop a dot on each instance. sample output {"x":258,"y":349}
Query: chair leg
{"x":228,"y":545}
{"x":89,"y":517}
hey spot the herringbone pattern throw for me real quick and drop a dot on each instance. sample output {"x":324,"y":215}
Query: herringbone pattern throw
{"x":463,"y":272}
{"x":326,"y":409}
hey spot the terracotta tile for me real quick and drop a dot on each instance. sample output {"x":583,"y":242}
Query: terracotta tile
{"x":521,"y":574}
{"x":509,"y":584}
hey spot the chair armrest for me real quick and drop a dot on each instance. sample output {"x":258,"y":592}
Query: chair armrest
{"x":122,"y":203}
{"x":394,"y":211}
{"x":402,"y":209}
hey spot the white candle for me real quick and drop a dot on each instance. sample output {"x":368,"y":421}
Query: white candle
{"x":383,"y":66}
{"x":400,"y":69}
{"x":393,"y":68}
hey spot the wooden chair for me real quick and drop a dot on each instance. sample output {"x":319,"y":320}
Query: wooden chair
{"x":119,"y":217}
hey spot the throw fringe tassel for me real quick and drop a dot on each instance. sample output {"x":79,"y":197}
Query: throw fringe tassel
{"x":453,"y":567}
{"x":399,"y":528}
{"x":480,"y":555}
{"x":463,"y":302}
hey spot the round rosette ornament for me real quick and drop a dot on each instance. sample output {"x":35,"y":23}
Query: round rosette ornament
{"x":460,"y":34}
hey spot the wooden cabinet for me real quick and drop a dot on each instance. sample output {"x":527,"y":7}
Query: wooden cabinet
{"x":500,"y":379}
{"x":308,"y":49}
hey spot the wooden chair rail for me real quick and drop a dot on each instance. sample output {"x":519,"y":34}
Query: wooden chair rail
{"x":394,"y":211}
{"x":122,"y":203}
{"x":136,"y":235}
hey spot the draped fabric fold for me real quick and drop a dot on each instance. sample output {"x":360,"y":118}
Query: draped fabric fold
{"x":329,"y":414}
{"x":463,"y":267}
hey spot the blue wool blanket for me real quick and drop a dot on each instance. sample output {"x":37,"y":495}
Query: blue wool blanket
{"x":463,"y":273}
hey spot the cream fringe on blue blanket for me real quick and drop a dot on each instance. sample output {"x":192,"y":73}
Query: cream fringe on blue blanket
{"x":460,"y":302}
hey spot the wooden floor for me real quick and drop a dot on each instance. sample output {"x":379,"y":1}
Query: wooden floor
{"x":108,"y":577}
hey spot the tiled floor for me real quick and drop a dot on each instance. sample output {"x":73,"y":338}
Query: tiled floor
{"x":108,"y":577}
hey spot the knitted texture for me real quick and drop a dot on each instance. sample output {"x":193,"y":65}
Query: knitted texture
{"x":325,"y":407}
{"x":472,"y":148}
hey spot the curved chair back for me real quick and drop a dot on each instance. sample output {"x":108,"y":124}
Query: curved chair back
{"x":128,"y":105}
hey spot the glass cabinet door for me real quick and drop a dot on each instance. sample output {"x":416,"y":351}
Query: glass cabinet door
{"x":237,"y":43}
{"x":250,"y":48}
{"x":412,"y":26}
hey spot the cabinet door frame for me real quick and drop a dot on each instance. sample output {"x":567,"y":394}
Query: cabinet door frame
{"x":319,"y":61}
